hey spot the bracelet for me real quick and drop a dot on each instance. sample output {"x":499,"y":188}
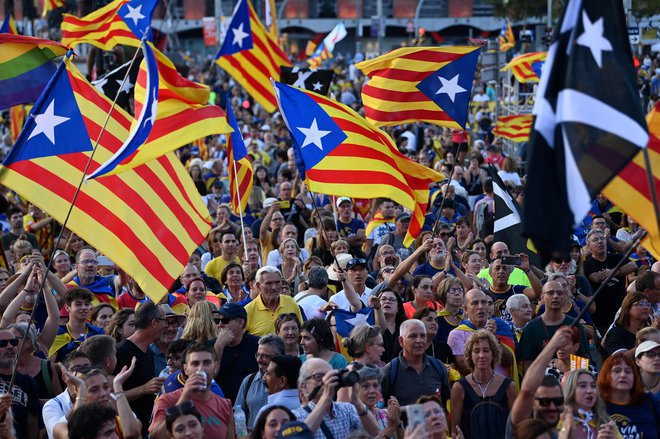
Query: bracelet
{"x":118,"y":395}
{"x":78,"y":398}
{"x":364,"y":412}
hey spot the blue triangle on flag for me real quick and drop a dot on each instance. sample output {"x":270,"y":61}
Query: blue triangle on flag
{"x":450,"y":87}
{"x":137,"y":15}
{"x":239,"y":32}
{"x":347,"y":320}
{"x":55,"y":125}
{"x":237,"y":143}
{"x":538,"y":68}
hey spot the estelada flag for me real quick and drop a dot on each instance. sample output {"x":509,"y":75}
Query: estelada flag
{"x":339,"y":153}
{"x":147,"y":220}
{"x":516,"y":128}
{"x":431,"y":84}
{"x":527,"y":67}
{"x":239,"y":166}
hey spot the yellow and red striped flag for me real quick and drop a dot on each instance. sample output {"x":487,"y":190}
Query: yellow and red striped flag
{"x":251,"y":56}
{"x":339,"y":153}
{"x":516,"y":128}
{"x":147,"y":220}
{"x":527,"y":67}
{"x":119,"y":22}
{"x":506,"y":38}
{"x":17,"y":115}
{"x":630,"y":190}
{"x":431,"y":84}
{"x":50,"y":5}
{"x":239,"y":166}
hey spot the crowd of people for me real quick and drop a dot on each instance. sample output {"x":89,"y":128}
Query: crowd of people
{"x":452,"y":336}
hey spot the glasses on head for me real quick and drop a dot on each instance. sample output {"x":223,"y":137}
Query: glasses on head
{"x":316,"y":377}
{"x":89,"y":262}
{"x":545,"y":402}
{"x":561,"y":260}
{"x":387,"y":270}
{"x":643,"y":303}
{"x":257,"y":355}
{"x":83,"y":371}
{"x":357,"y":261}
{"x":11,"y":341}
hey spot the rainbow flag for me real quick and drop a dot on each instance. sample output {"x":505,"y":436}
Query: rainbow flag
{"x":630,"y":189}
{"x":239,"y":166}
{"x":251,"y":55}
{"x":516,"y":128}
{"x":527,"y":67}
{"x":25,"y":67}
{"x":339,"y":153}
{"x":148,"y":220}
{"x":9,"y":26}
{"x":506,"y":38}
{"x":183,"y":114}
{"x":431,"y":84}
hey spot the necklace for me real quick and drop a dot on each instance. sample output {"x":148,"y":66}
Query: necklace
{"x":483,"y":386}
{"x":649,"y":388}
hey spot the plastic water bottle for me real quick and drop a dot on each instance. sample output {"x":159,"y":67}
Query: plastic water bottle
{"x":240,"y":421}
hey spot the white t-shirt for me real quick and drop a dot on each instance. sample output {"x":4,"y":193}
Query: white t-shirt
{"x":311,"y":304}
{"x":341,"y":301}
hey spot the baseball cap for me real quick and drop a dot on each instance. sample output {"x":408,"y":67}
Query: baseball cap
{"x":342,"y":199}
{"x":268,"y":202}
{"x":645,"y":347}
{"x":294,"y":430}
{"x":233,"y":311}
{"x":343,"y":259}
{"x":403,"y":216}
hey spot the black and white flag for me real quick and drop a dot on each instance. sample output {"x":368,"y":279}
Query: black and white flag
{"x":111,"y":84}
{"x":589,"y":121}
{"x":314,"y":80}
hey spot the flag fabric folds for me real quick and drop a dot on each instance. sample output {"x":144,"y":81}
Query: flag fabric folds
{"x":17,"y":114}
{"x":271,"y":18}
{"x":251,"y":56}
{"x":589,"y":122}
{"x":339,"y":153}
{"x":314,"y":80}
{"x":183,"y":114}
{"x":527,"y":67}
{"x":324,"y":50}
{"x":347,"y":320}
{"x":431,"y":84}
{"x":506,"y":38}
{"x":112,"y":84}
{"x":630,"y":190}
{"x":25,"y":67}
{"x":148,"y":220}
{"x":51,"y":5}
{"x":239,"y":166}
{"x":514,"y":128}
{"x":119,"y":22}
{"x":9,"y":25}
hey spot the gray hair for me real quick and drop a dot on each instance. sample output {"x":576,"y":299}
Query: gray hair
{"x":30,"y":335}
{"x":317,"y":277}
{"x":369,"y":373}
{"x":408,"y":324}
{"x":302,"y":375}
{"x":266,"y":269}
{"x":516,"y":302}
{"x":274,"y":341}
{"x":593,"y":232}
{"x":555,"y":276}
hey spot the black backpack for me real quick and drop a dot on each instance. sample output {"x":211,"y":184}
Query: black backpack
{"x":488,"y":416}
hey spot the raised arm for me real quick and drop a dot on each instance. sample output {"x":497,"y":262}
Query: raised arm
{"x":131,"y":426}
{"x":405,"y":265}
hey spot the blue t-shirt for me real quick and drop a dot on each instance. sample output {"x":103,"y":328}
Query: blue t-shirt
{"x":350,"y":228}
{"x":175,"y":381}
{"x":639,"y":421}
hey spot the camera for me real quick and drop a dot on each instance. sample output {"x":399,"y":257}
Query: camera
{"x":349,"y":377}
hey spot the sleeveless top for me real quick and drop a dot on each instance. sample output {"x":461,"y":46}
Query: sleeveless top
{"x":471,"y":399}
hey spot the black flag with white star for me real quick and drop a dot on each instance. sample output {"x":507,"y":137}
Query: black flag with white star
{"x":589,"y":121}
{"x":111,"y":84}
{"x":314,"y":80}
{"x":508,"y":223}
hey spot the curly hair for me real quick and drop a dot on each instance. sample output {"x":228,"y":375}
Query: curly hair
{"x":199,"y":324}
{"x":475,"y":338}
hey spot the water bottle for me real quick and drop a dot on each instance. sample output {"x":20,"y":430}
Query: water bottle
{"x":240,"y":421}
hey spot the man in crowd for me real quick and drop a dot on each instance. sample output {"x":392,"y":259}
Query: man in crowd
{"x":381,"y":224}
{"x":229,"y":254}
{"x":517,"y":275}
{"x":396,"y":237}
{"x":264,"y":310}
{"x":313,"y":300}
{"x":350,"y":229}
{"x":78,"y":304}
{"x":281,"y":381}
{"x":500,"y":289}
{"x":103,"y":287}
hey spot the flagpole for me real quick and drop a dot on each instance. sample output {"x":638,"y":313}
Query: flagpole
{"x":68,"y":214}
{"x":240,"y":207}
{"x":654,"y":193}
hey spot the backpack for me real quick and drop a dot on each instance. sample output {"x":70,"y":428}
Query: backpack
{"x":488,"y":416}
{"x":484,"y":221}
{"x":437,"y":366}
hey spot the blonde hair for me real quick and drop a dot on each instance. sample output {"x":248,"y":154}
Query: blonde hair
{"x":199,"y":325}
{"x":475,"y":338}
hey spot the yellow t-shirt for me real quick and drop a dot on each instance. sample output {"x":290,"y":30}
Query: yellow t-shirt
{"x":517,"y":277}
{"x":261,"y":320}
{"x":215,"y":266}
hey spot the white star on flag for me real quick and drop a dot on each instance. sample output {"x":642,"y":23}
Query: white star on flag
{"x":359,"y":319}
{"x":593,"y":38}
{"x":302,"y":77}
{"x":317,"y":86}
{"x":46,"y":123}
{"x":313,"y":135}
{"x":239,"y":35}
{"x":154,"y":109}
{"x":124,"y":87}
{"x":100,"y":84}
{"x":134,"y":14}
{"x":450,"y":87}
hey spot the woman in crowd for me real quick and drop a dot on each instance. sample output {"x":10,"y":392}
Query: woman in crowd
{"x":62,"y":263}
{"x":450,"y":295}
{"x":321,"y":245}
{"x":287,"y":326}
{"x":588,"y":408}
{"x":340,"y":246}
{"x":509,"y":172}
{"x":200,"y":325}
{"x":291,"y":266}
{"x":102,"y":315}
{"x":629,"y":230}
{"x":197,"y":292}
{"x":317,"y":341}
{"x":261,"y":180}
{"x":365,"y":345}
{"x":475,"y":177}
{"x":270,"y":421}
{"x":464,"y":236}
{"x":436,"y":419}
{"x":122,"y":324}
{"x":183,"y":421}
{"x":520,"y":309}
{"x":392,"y":317}
{"x":214,"y":243}
{"x":634,"y":411}
{"x":635,"y":313}
{"x":422,"y":288}
{"x":389,"y":420}
{"x":195,"y":171}
{"x":647,"y":357}
{"x":434,"y":348}
{"x":233,"y":279}
{"x":471,"y":263}
{"x":482,"y":353}
{"x":480,"y":247}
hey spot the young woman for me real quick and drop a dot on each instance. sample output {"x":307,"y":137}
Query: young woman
{"x":198,"y":292}
{"x":287,"y":326}
{"x":122,"y":324}
{"x":634,"y":316}
{"x":101,"y":315}
{"x":561,"y":365}
{"x":588,"y":408}
{"x":200,"y":324}
{"x":62,"y":263}
{"x":647,"y":357}
{"x":195,"y":171}
{"x":270,"y":421}
{"x":621,"y":387}
{"x":317,"y":341}
{"x":392,"y":317}
{"x":482,"y":353}
{"x":471,"y":263}
{"x":422,"y":287}
{"x":183,"y":421}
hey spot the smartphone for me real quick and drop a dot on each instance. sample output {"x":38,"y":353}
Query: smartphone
{"x":415,"y":416}
{"x":285,"y":204}
{"x":511,"y":260}
{"x":105,"y":261}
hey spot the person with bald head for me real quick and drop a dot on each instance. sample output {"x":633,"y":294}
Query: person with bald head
{"x":540,"y":330}
{"x":517,"y":275}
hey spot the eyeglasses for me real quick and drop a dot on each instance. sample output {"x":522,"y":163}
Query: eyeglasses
{"x":223,"y":320}
{"x":11,"y":341}
{"x":316,"y":377}
{"x":561,"y":260}
{"x":652,"y":355}
{"x":89,"y":262}
{"x":643,"y":303}
{"x":172,"y":322}
{"x":357,"y":261}
{"x":442,"y":235}
{"x":388,"y":299}
{"x":455,"y":290}
{"x":257,"y":355}
{"x":545,"y":402}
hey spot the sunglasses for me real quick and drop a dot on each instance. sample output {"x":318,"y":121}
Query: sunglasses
{"x":223,"y":320}
{"x":12,"y":341}
{"x":560,"y":260}
{"x":357,"y":261}
{"x":545,"y":402}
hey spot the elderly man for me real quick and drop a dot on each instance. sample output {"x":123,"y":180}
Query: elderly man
{"x":87,"y":267}
{"x":500,"y":289}
{"x":413,"y":373}
{"x":318,"y":384}
{"x":264,"y":310}
{"x":253,"y":394}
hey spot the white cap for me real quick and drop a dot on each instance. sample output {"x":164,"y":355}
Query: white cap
{"x":343,"y":259}
{"x":268,"y":202}
{"x":645,"y":347}
{"x":342,"y":199}
{"x":265,"y":127}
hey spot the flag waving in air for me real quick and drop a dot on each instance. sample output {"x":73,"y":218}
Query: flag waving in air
{"x":589,"y":122}
{"x":431,"y":84}
{"x":239,"y":166}
{"x":314,"y":80}
{"x":514,"y":128}
{"x":527,"y":67}
{"x":327,"y":46}
{"x":251,"y":55}
{"x":507,"y":40}
{"x":9,"y":25}
{"x":340,"y":153}
{"x":148,"y":220}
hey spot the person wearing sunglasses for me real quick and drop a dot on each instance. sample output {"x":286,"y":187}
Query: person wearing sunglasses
{"x":647,"y":357}
{"x":580,"y":286}
{"x":199,"y":365}
{"x":634,"y":316}
{"x":183,"y":421}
